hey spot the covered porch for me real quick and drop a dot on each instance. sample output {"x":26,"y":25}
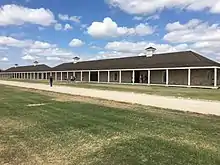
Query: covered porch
{"x":204,"y":77}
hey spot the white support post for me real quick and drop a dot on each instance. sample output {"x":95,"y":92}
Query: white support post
{"x":167,"y":77}
{"x":133,"y":77}
{"x":215,"y":77}
{"x":61,"y":76}
{"x":81,"y":76}
{"x":67,"y":76}
{"x":55,"y":76}
{"x":98,"y":76}
{"x":148,"y":77}
{"x":108,"y":76}
{"x":120,"y":76}
{"x":38,"y":76}
{"x":189,"y":77}
{"x":89,"y":76}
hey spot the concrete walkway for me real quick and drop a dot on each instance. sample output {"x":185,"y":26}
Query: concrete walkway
{"x":198,"y":106}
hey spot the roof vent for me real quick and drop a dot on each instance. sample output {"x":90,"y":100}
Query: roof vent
{"x":36,"y":63}
{"x":16,"y":65}
{"x":76,"y":59}
{"x":150,"y":51}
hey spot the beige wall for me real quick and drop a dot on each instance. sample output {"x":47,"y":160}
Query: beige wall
{"x":178,"y":77}
{"x":78,"y":76}
{"x":202,"y":77}
{"x":85,"y":76}
{"x":126,"y":77}
{"x":58,"y":76}
{"x":64,"y":76}
{"x":103,"y":77}
{"x":157,"y":77}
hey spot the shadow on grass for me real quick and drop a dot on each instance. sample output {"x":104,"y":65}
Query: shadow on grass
{"x":147,"y":150}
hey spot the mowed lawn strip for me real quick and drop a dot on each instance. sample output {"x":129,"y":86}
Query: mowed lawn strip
{"x":46,"y":129}
{"x":192,"y":93}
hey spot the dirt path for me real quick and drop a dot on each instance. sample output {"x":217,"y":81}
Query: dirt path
{"x":197,"y":106}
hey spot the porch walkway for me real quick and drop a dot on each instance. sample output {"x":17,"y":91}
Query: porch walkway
{"x":198,"y":106}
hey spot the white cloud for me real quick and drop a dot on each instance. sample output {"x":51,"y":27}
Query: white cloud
{"x":139,"y":47}
{"x":153,"y":17}
{"x":138,"y":18}
{"x":12,"y":42}
{"x":58,"y":27}
{"x":4,"y":59}
{"x":36,"y":49}
{"x":65,"y":17}
{"x":68,"y":27}
{"x":42,"y":45}
{"x":76,"y":43}
{"x":200,"y":36}
{"x":193,"y":31}
{"x":109,"y":28}
{"x":18,"y":15}
{"x":28,"y":57}
{"x":3,"y":48}
{"x":41,"y":28}
{"x":53,"y":58}
{"x":49,"y":52}
{"x":148,"y":7}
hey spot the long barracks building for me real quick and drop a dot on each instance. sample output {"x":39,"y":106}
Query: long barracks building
{"x":185,"y":69}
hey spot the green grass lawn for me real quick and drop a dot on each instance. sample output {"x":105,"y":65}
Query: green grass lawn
{"x":194,"y":93}
{"x":69,"y":130}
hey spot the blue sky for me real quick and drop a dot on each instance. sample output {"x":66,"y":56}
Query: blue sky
{"x":55,"y":32}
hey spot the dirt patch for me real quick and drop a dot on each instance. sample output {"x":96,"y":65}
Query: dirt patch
{"x":36,"y":105}
{"x":7,"y":125}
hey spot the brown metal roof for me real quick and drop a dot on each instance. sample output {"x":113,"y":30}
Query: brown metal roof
{"x":30,"y":68}
{"x":168,"y":60}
